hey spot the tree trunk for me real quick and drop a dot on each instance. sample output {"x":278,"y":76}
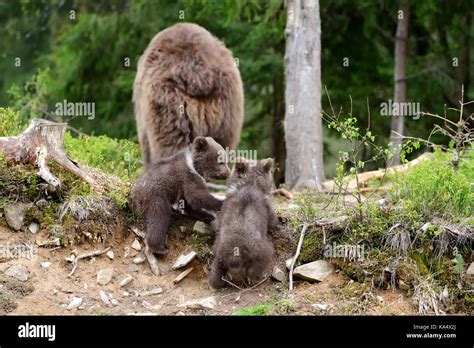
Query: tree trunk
{"x":40,"y":144}
{"x":401,"y":40}
{"x":303,"y":124}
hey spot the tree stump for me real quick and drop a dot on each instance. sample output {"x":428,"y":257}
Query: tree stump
{"x":40,"y":144}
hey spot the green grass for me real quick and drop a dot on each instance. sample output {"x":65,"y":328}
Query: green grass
{"x":257,"y":310}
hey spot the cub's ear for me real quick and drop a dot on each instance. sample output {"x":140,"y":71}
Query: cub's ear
{"x":267,"y":164}
{"x":241,"y":167}
{"x":200,"y":144}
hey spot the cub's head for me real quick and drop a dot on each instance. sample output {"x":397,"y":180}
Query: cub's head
{"x":258,"y":173}
{"x":209,"y":159}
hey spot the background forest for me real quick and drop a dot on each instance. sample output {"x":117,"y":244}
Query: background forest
{"x":90,"y":55}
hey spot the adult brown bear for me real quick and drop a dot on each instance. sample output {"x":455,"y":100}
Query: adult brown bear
{"x":187,"y":85}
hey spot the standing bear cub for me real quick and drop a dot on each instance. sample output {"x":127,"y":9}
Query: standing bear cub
{"x":180,"y":178}
{"x":242,"y":248}
{"x":187,"y":85}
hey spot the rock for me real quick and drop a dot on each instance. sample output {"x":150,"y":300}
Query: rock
{"x":139,"y":259}
{"x":379,"y":298}
{"x":317,"y":270}
{"x":278,"y":274}
{"x":104,"y":276}
{"x":203,"y":303}
{"x":182,"y":275}
{"x":125,"y":280}
{"x":184,"y":260}
{"x":75,"y":302}
{"x":18,"y":272}
{"x":152,"y":260}
{"x":321,"y":306}
{"x":42,"y":203}
{"x":288,"y":263}
{"x":155,"y":291}
{"x":45,"y":264}
{"x":470,"y":270}
{"x":105,"y":298}
{"x":136,"y":245}
{"x":132,"y":268}
{"x":110,"y":254}
{"x":182,"y":229}
{"x":126,"y":252}
{"x":202,"y":228}
{"x":33,"y":228}
{"x":15,"y":214}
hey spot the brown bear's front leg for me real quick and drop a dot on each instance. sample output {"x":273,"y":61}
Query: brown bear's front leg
{"x":216,"y":274}
{"x":198,"y":197}
{"x":158,"y":217}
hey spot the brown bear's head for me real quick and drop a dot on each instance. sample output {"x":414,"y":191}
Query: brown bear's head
{"x":209,"y":159}
{"x":258,"y":173}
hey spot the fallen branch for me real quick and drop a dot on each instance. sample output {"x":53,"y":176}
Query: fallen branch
{"x":86,"y":255}
{"x":284,"y":193}
{"x":241,"y":290}
{"x":297,"y":254}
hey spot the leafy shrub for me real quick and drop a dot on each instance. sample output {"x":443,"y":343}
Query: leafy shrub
{"x":10,"y":123}
{"x":118,"y":157}
{"x":434,"y":188}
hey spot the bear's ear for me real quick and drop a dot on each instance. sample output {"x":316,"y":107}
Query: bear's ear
{"x":241,"y":167}
{"x":267,"y":164}
{"x":200,"y":144}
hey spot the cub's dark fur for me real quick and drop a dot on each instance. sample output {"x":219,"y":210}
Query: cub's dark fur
{"x":187,"y":85}
{"x":242,"y":248}
{"x":179,"y":177}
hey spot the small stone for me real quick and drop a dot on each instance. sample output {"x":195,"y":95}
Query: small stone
{"x":278,"y":274}
{"x":15,"y":214}
{"x":42,"y":203}
{"x":288,"y":263}
{"x":33,"y":228}
{"x":155,"y":291}
{"x":75,"y":302}
{"x":139,"y":259}
{"x":182,"y":229}
{"x":317,"y":270}
{"x":126,"y":252}
{"x":45,"y":264}
{"x":202,"y":228}
{"x":126,"y":279}
{"x":136,"y":245}
{"x":104,"y":276}
{"x":321,"y":306}
{"x":470,"y":270}
{"x":132,"y":268}
{"x":105,"y":298}
{"x":379,"y":298}
{"x":203,"y":303}
{"x":18,"y":272}
{"x":184,"y":260}
{"x":182,"y":275}
{"x":110,"y":254}
{"x":152,"y":261}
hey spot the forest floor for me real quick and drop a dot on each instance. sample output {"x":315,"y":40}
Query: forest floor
{"x":53,"y":290}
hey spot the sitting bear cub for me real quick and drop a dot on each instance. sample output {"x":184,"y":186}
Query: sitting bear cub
{"x":242,"y":249}
{"x":179,"y":178}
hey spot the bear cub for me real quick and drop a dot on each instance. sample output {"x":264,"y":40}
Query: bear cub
{"x":180,"y":178}
{"x":242,"y":249}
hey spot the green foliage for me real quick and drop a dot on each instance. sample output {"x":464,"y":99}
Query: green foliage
{"x":256,"y":310}
{"x":118,"y":157}
{"x":433,"y":188}
{"x":10,"y":123}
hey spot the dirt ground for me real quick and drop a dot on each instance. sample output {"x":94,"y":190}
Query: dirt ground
{"x":53,"y":289}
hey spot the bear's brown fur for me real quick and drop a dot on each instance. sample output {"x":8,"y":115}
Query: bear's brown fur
{"x":180,"y":178}
{"x":187,"y":85}
{"x":242,"y":248}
